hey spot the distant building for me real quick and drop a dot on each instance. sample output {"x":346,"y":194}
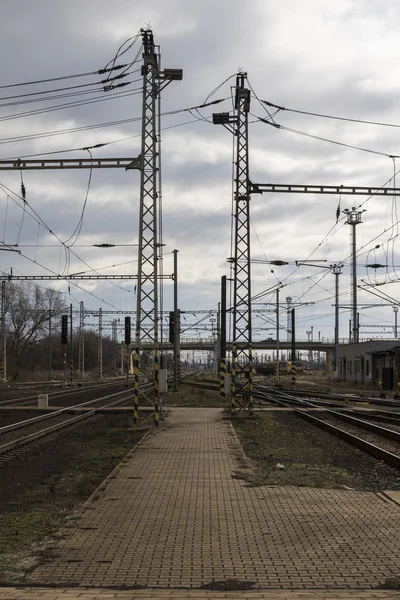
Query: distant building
{"x":370,"y":362}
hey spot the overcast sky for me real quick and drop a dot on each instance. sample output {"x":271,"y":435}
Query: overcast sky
{"x":339,"y":59}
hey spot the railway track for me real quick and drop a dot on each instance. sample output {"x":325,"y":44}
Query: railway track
{"x":59,"y":394}
{"x":381,"y":442}
{"x":388,"y":452}
{"x":18,"y":435}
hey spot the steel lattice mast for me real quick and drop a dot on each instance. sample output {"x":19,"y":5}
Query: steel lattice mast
{"x":81,"y":347}
{"x":242,"y":360}
{"x":147,"y":301}
{"x":147,"y":319}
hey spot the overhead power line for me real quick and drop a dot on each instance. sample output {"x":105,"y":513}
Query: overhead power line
{"x":323,"y":139}
{"x":99,"y":72}
{"x":101,"y":98}
{"x":23,"y":138}
{"x":324,"y":116}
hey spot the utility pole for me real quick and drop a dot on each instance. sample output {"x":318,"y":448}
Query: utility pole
{"x":218,"y":342}
{"x":81,"y":347}
{"x":114,"y":345}
{"x":277,"y":338}
{"x":100,"y":345}
{"x":293,"y":328}
{"x":50,"y":345}
{"x":71,"y":356}
{"x":336,"y":270}
{"x":222,"y":365}
{"x":176,"y":324}
{"x":310,"y":354}
{"x":293,"y":352}
{"x":3,"y":330}
{"x":354,"y":219}
{"x":242,"y":359}
{"x":289,"y":313}
{"x":147,"y":319}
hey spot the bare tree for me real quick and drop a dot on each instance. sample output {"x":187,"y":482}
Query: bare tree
{"x":27,"y":314}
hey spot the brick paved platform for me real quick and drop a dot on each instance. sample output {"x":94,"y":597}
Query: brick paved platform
{"x":175,"y":514}
{"x":179,"y":594}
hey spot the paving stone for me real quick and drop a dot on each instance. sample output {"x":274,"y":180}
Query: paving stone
{"x":181,"y":517}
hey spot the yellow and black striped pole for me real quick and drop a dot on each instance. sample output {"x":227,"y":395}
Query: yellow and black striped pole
{"x":71,"y":372}
{"x":294,"y":373}
{"x":233,"y":399}
{"x":222,"y":376}
{"x":156,"y":389}
{"x":136,"y":383}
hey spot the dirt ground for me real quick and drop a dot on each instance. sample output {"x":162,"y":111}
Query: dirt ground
{"x":287,"y":450}
{"x":52,"y":480}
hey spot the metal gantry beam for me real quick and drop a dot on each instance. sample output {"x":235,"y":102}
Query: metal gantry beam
{"x":69,"y":277}
{"x":69,"y":163}
{"x":260,"y":188}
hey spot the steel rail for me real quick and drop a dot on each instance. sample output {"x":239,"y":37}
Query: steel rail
{"x":17,"y":443}
{"x":368,"y":447}
{"x":377,"y":429}
{"x":60,"y":393}
{"x":52,"y":414}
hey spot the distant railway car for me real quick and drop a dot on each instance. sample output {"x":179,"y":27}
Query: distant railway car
{"x":299,"y":366}
{"x":267,"y":368}
{"x":284,"y":367}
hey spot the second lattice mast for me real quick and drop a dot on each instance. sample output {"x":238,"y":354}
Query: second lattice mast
{"x":242,"y":360}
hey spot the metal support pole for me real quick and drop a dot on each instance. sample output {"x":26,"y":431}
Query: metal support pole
{"x":354,"y":281}
{"x":100,"y":345}
{"x":65,"y":365}
{"x":81,"y":357}
{"x":242,"y":353}
{"x":3,"y":330}
{"x":293,"y":351}
{"x":336,"y":270}
{"x":222,"y":366}
{"x":396,"y":310}
{"x":50,"y":345}
{"x":176,"y":325}
{"x":128,"y":368}
{"x":147,"y":319}
{"x":293,"y":328}
{"x":71,"y":356}
{"x":114,"y":346}
{"x":277,"y":338}
{"x":353,"y":219}
{"x":289,"y":315}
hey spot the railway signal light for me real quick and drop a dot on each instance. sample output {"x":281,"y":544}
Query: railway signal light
{"x":127,"y":331}
{"x":171,"y":327}
{"x":64,"y":329}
